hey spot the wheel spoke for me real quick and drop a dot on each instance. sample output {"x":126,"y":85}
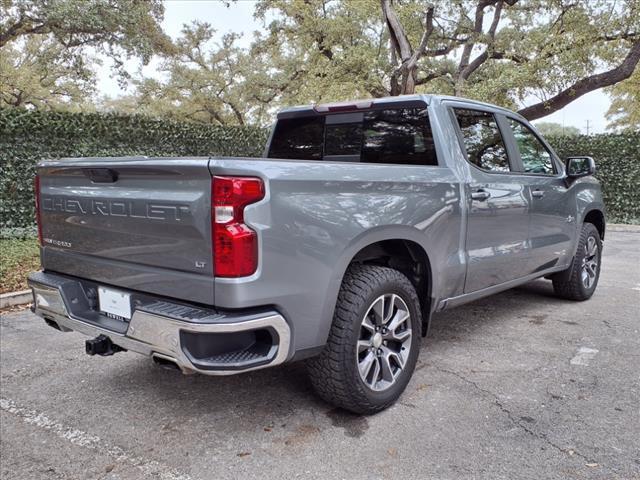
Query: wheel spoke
{"x":378,"y":309}
{"x":592,"y":247}
{"x":366,"y":364}
{"x":390,"y":306}
{"x":397,"y":357}
{"x":376,"y":373}
{"x":368,"y":324}
{"x":387,"y":372}
{"x":398,"y":319}
{"x":363,"y":345}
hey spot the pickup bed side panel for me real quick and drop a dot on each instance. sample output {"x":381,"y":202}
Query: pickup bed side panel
{"x":318,"y":215}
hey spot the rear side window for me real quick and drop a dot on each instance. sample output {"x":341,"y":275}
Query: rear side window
{"x":392,"y":136}
{"x":482,"y":140}
{"x":298,"y":138}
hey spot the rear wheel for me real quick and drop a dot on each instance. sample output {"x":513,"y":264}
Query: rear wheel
{"x":581,"y":278}
{"x":373,"y":343}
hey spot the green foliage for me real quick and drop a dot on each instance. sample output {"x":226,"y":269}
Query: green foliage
{"x":18,"y":257}
{"x":27,"y":137}
{"x":624,"y":112}
{"x":549,"y":129}
{"x":48,"y":47}
{"x":504,"y":52}
{"x":617,"y":159}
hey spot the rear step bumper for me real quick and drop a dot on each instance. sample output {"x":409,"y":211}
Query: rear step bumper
{"x":193,"y":338}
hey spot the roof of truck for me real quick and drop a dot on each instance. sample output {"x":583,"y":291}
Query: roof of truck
{"x":426,"y":98}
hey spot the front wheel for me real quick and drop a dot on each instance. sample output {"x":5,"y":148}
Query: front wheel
{"x":579,"y":281}
{"x":373,"y":344}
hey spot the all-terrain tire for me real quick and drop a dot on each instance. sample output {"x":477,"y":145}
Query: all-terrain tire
{"x":335,"y":372}
{"x":570,"y":284}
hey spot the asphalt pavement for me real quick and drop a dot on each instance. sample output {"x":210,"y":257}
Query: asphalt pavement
{"x":518,"y":385}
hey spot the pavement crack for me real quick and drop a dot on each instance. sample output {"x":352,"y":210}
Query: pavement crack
{"x":516,"y":421}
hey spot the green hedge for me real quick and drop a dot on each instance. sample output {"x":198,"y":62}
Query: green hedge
{"x":617,"y":159}
{"x":29,"y":136}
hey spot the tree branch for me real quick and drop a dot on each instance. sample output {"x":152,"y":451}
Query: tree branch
{"x":585,"y":85}
{"x":484,"y":56}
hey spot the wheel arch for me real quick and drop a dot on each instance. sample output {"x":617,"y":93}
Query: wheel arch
{"x":396,"y":247}
{"x":596,"y":217}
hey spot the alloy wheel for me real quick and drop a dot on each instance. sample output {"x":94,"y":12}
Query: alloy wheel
{"x":384,"y":342}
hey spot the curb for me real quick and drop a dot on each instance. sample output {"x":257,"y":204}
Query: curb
{"x":622,"y":227}
{"x":15,"y":298}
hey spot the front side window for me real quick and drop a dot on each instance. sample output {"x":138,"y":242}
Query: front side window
{"x":535,"y":156}
{"x":482,"y":140}
{"x":393,"y":136}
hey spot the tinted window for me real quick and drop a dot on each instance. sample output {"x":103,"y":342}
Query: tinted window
{"x":343,"y":139}
{"x":482,"y":140}
{"x":396,"y":136}
{"x":401,"y":136}
{"x":298,"y":138}
{"x":535,"y":157}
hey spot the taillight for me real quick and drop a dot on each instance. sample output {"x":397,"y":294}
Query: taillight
{"x":235,"y":245}
{"x":36,"y":192}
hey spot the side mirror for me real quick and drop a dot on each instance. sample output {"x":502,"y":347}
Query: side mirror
{"x":580,"y":167}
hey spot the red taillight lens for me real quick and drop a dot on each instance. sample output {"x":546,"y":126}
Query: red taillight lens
{"x":36,"y":193}
{"x":235,"y":244}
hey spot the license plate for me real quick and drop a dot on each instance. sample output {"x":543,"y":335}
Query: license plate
{"x":114,"y":302}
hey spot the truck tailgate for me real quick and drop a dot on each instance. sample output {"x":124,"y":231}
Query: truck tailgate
{"x":138,"y":223}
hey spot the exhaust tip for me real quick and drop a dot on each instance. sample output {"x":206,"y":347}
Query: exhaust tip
{"x":52,"y":323}
{"x":165,"y":362}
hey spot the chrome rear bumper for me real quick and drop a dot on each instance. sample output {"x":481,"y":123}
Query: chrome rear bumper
{"x":154,"y":334}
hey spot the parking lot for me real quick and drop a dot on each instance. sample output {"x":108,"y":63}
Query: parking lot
{"x":519,"y":385}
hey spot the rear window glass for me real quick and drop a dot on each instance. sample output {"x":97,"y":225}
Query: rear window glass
{"x":298,"y":138}
{"x":393,"y":136}
{"x":343,"y":139}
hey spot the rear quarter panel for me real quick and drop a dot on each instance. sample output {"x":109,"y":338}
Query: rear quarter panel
{"x":318,"y":215}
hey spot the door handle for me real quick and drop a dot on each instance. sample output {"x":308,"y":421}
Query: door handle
{"x":537,"y":193}
{"x":480,"y":194}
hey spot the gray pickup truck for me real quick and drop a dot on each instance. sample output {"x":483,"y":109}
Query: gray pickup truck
{"x":363,"y":219}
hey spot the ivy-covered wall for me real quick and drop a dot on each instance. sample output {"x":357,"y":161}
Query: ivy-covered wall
{"x":27,"y":137}
{"x":617,"y":159}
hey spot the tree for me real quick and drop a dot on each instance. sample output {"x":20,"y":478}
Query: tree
{"x":624,"y":112}
{"x":556,"y":129}
{"x":44,"y":74}
{"x":504,"y":51}
{"x":501,"y":51}
{"x":203,"y":81}
{"x":48,"y":47}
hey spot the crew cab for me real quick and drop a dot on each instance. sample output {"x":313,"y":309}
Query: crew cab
{"x":362,"y":220}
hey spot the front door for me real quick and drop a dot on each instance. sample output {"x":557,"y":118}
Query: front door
{"x":498,"y":205}
{"x":552,"y":227}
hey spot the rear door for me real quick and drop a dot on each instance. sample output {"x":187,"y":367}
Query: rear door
{"x":498,"y":204}
{"x":137,"y":223}
{"x":553,"y":225}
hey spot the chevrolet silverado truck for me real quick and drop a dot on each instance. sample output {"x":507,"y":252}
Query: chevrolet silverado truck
{"x":362,"y":220}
